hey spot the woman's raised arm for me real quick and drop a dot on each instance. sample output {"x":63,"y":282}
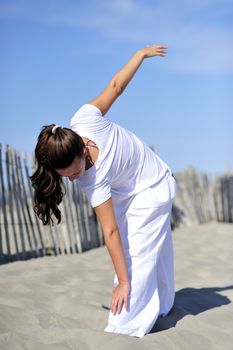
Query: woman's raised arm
{"x":121,"y":79}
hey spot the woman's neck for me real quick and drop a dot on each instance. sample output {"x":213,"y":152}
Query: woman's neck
{"x":92,"y":152}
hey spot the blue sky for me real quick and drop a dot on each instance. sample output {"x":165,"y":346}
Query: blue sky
{"x":57,"y":55}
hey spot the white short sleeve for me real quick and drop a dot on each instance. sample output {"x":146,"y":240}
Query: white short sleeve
{"x":87,"y":110}
{"x":97,"y":193}
{"x":89,"y":121}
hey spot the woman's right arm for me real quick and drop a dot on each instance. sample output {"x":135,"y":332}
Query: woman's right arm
{"x":121,"y":79}
{"x":106,"y":216}
{"x":112,"y":238}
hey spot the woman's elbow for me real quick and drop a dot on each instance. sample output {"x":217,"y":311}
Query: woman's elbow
{"x":116,"y":87}
{"x":110,"y":234}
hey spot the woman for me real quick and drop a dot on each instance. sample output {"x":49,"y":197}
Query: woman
{"x":131,"y":190}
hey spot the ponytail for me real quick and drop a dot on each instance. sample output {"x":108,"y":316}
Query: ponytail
{"x":54,"y":150}
{"x":48,"y":193}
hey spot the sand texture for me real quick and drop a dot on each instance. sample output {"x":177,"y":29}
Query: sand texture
{"x":62,"y":302}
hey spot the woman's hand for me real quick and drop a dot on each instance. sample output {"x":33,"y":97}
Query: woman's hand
{"x":120,"y":297}
{"x":154,"y":50}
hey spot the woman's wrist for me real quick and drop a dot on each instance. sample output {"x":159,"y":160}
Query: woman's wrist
{"x":141,"y":54}
{"x":124,"y":281}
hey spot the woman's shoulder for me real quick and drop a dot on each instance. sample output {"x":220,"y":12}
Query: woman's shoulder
{"x":86,"y":110}
{"x":89,"y":115}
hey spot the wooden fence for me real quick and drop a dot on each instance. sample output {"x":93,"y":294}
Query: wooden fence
{"x":200,"y":198}
{"x":22,"y":235}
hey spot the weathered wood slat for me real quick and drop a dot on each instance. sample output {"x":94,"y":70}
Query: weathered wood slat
{"x":78,"y":237}
{"x":5,"y":224}
{"x":80,"y":198}
{"x":20,"y":224}
{"x":70,"y":217}
{"x":11,"y":205}
{"x":31,"y":249}
{"x":79,"y":214}
{"x":230,"y":198}
{"x":38,"y":231}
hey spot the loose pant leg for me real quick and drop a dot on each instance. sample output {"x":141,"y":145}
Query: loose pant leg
{"x":165,"y":266}
{"x":165,"y":276}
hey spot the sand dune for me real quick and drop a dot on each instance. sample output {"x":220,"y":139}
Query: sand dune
{"x":62,"y":302}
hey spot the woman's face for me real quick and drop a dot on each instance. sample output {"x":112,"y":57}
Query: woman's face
{"x":76,"y":169}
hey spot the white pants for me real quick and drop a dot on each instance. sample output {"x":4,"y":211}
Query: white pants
{"x":146,"y":236}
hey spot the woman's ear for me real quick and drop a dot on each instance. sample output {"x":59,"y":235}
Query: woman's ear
{"x":85,"y":151}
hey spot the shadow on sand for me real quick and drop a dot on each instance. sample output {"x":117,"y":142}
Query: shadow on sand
{"x":191,"y":301}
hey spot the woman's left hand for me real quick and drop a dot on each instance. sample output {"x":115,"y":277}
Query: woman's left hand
{"x":120,"y":297}
{"x":154,"y":50}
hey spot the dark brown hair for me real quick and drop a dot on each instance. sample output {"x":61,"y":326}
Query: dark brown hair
{"x":53,"y":151}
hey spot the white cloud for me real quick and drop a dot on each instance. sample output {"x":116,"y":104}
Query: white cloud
{"x":198,"y":32}
{"x":194,"y":30}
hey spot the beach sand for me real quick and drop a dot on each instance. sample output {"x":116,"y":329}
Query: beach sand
{"x":62,"y":302}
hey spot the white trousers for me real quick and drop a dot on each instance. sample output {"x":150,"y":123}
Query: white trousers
{"x":146,"y":236}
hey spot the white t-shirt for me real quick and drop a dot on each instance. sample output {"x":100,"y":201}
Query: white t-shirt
{"x":125,"y":165}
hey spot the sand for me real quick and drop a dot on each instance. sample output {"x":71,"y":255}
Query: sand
{"x":62,"y":302}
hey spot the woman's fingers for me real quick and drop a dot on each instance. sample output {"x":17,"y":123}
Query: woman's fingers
{"x":116,"y":306}
{"x":120,"y":297}
{"x":113,"y":305}
{"x":120,"y":302}
{"x":155,"y":50}
{"x":161,"y":50}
